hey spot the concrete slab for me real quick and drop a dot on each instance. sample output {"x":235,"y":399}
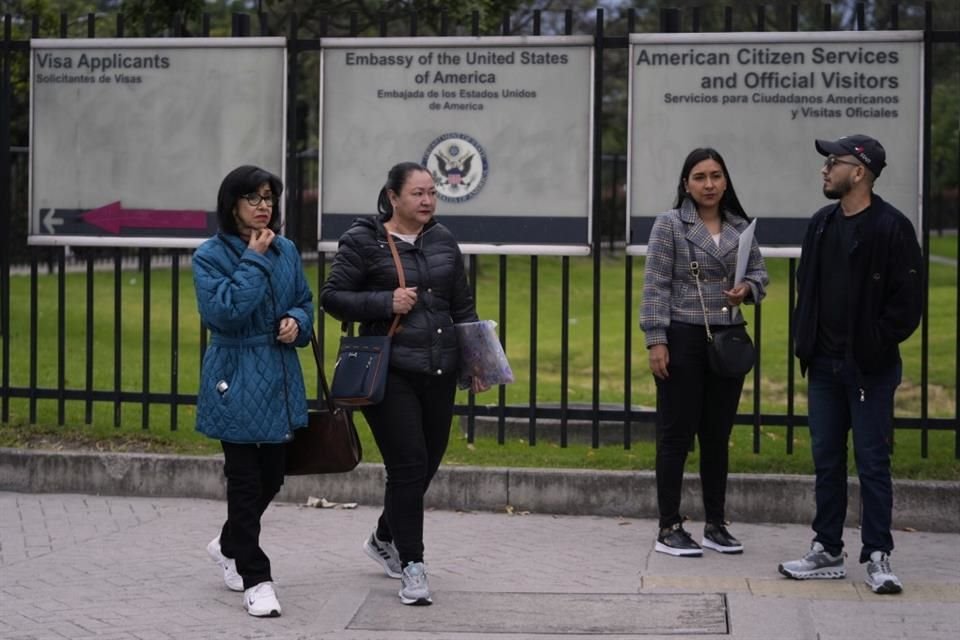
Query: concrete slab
{"x":553,"y":614}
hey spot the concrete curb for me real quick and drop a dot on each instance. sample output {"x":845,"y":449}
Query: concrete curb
{"x":922,"y":505}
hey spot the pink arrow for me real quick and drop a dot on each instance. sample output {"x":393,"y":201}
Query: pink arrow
{"x":111,"y":217}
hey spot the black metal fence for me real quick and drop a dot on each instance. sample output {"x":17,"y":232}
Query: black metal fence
{"x":130,"y":387}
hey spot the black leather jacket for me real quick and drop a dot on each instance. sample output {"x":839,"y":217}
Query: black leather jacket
{"x":886,"y":288}
{"x":361,"y":284}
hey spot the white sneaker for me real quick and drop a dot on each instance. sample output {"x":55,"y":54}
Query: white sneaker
{"x":231,"y":578}
{"x":880,"y":577}
{"x":414,"y":588}
{"x":385,"y":553}
{"x":818,"y":564}
{"x":261,"y":601}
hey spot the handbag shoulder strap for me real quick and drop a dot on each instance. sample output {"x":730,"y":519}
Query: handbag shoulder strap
{"x":695,"y":272}
{"x":324,"y":387}
{"x":403,"y":281}
{"x":346,"y":327}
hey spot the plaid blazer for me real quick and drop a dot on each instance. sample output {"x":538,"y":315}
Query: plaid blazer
{"x":669,"y":291}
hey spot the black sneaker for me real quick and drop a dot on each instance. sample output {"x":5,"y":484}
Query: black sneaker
{"x":675,"y":541}
{"x":716,"y":537}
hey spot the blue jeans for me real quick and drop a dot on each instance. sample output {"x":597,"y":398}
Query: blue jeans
{"x":839,"y":401}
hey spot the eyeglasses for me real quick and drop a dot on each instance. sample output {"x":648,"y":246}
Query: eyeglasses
{"x":254,"y":199}
{"x":833,"y":161}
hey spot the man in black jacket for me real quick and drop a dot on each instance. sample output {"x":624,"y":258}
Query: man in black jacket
{"x":860,"y":294}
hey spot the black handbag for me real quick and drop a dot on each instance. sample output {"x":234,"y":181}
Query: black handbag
{"x":730,"y":351}
{"x":329,"y":443}
{"x":360,"y":374}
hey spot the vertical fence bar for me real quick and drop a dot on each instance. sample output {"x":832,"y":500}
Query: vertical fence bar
{"x":728,"y":18}
{"x":61,"y":333}
{"x":597,"y":240}
{"x":502,"y":389}
{"x":145,"y":261}
{"x":90,"y":302}
{"x":174,"y":335}
{"x":791,"y":363}
{"x":761,"y":18}
{"x":827,"y":17}
{"x":293,"y":209}
{"x":117,"y":335}
{"x":534,"y":294}
{"x":861,"y":16}
{"x":321,"y":318}
{"x":627,"y":351}
{"x":475,"y":23}
{"x":564,"y":347}
{"x":925,"y":233}
{"x":628,"y":279}
{"x":34,"y":334}
{"x":894,"y":16}
{"x":5,"y":216}
{"x":471,"y":397}
{"x":757,"y":377}
{"x":413,"y":23}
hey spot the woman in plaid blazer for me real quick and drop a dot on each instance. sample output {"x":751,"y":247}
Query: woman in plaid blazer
{"x":704,"y":227}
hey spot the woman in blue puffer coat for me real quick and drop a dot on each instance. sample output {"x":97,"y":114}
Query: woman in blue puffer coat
{"x":254,"y":299}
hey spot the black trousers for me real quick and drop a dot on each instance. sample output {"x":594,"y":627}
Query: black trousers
{"x":254,"y":476}
{"x":693,"y":401}
{"x":412,"y":428}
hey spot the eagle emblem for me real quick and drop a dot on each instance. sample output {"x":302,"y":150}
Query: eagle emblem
{"x":458,"y":165}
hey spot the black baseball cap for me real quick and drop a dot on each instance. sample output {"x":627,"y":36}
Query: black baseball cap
{"x":863,"y":148}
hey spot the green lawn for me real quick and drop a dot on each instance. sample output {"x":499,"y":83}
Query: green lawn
{"x":616,"y":312}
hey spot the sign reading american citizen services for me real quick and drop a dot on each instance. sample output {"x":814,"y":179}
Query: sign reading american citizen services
{"x":504,"y":124}
{"x":130,"y":138}
{"x":761,"y":99}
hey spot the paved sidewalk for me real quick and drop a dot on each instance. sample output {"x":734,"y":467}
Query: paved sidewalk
{"x":79,"y":566}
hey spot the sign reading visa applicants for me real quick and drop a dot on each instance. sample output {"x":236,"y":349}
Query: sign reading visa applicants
{"x":130,"y":138}
{"x":504,"y":125}
{"x":761,"y":99}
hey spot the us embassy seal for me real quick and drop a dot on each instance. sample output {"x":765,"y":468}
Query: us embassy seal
{"x":458,"y":165}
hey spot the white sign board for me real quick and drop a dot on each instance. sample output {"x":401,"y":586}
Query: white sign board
{"x":504,"y":124}
{"x":761,"y":99}
{"x":129,"y":139}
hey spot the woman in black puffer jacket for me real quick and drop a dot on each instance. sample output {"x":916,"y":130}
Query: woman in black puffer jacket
{"x":412,"y":423}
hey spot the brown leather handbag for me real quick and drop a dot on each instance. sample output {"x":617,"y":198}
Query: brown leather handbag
{"x":329,"y":443}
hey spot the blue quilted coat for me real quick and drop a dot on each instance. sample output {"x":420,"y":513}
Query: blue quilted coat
{"x":251,"y":385}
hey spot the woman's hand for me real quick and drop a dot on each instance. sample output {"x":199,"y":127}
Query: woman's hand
{"x":738,"y":294}
{"x":477,"y":386}
{"x":260,"y":240}
{"x":404,"y":299}
{"x":289,"y":330}
{"x":660,"y":360}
